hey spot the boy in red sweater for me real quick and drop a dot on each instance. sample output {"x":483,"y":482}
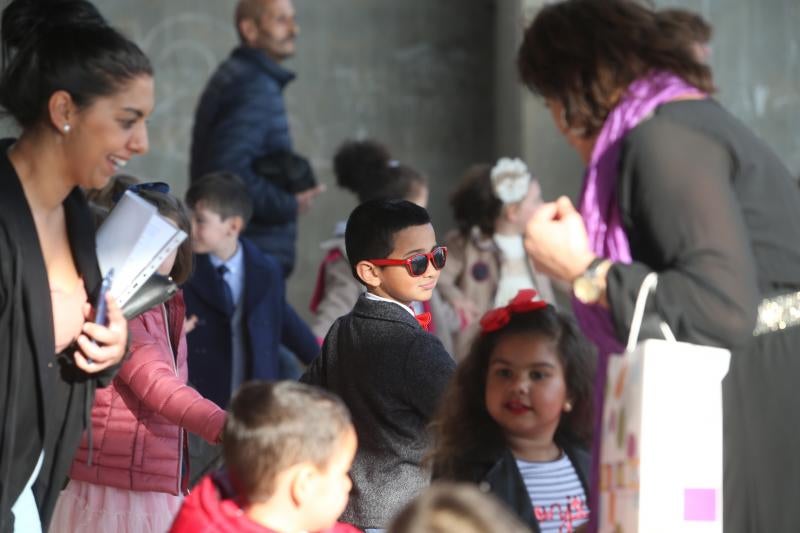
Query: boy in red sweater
{"x":288,"y":448}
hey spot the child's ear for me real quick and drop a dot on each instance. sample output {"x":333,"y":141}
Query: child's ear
{"x":301,"y":483}
{"x":236,"y":223}
{"x":369,"y":274}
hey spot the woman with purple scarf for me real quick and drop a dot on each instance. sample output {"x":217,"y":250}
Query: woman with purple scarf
{"x":676,"y":185}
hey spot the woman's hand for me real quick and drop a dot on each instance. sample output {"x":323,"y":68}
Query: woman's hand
{"x":466,"y":310}
{"x":556,"y":241}
{"x":102,"y":346}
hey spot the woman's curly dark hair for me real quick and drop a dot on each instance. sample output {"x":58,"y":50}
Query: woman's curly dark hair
{"x":474,"y":202}
{"x":585,"y":53}
{"x":463,"y":429}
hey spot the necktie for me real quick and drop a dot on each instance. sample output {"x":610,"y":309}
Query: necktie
{"x":226,"y":289}
{"x":424,"y":319}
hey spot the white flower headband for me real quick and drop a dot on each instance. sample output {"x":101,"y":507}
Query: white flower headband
{"x":510,"y":180}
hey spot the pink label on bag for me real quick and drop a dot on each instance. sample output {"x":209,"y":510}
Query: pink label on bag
{"x":699,"y":505}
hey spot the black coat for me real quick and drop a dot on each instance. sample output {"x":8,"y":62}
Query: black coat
{"x":44,"y":399}
{"x":391,"y":374}
{"x":497,"y":473}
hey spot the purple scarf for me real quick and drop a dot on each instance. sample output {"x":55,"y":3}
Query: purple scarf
{"x":607,"y":238}
{"x":598,"y":204}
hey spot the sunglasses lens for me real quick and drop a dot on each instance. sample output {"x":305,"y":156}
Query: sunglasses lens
{"x":439,"y":258}
{"x":419,"y":264}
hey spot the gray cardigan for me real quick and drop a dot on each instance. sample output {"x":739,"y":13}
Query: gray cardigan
{"x":391,"y":374}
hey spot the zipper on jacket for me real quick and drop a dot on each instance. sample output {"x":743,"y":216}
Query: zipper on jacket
{"x":174,"y":366}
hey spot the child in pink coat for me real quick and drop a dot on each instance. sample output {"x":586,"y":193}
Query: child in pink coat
{"x":133,"y":476}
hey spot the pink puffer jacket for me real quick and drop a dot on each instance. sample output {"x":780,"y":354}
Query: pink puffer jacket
{"x":139,"y":422}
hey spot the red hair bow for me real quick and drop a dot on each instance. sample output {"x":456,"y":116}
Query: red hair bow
{"x":524,"y":302}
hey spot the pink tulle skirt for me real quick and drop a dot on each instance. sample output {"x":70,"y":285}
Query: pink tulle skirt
{"x":87,"y":508}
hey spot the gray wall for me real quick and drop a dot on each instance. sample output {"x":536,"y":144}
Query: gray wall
{"x":435,"y":80}
{"x":415,"y":74}
{"x":756,"y":64}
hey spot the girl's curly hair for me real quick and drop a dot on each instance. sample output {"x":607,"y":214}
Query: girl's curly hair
{"x":464,"y":430}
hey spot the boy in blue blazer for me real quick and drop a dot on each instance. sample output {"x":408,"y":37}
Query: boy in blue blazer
{"x":237,"y":294}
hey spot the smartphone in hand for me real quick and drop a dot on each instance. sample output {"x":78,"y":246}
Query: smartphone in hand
{"x":100,"y":306}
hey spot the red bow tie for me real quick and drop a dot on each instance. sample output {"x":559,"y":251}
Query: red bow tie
{"x":424,"y":319}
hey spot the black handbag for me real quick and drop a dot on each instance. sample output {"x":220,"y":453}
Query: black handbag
{"x":288,"y":170}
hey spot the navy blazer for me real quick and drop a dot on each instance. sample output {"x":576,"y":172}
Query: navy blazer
{"x":268,"y":321}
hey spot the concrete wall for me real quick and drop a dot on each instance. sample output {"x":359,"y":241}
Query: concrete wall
{"x":756,"y":64}
{"x":415,"y":74}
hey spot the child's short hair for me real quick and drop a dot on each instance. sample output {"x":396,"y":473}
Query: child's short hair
{"x":455,"y":508}
{"x":171,"y":207}
{"x":474,"y":202}
{"x":368,"y":170}
{"x":463,"y":417}
{"x":273,"y":426}
{"x":222,"y":192}
{"x":373,"y":225}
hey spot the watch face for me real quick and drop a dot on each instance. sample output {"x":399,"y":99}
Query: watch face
{"x":585,"y":290}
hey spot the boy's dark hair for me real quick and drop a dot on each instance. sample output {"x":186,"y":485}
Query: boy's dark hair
{"x":223,"y":193}
{"x":474,"y":202}
{"x":65,"y":45}
{"x":273,"y":426}
{"x":367,"y":169}
{"x":456,"y":508}
{"x":463,"y":427}
{"x":172,"y":208}
{"x":372,"y":226}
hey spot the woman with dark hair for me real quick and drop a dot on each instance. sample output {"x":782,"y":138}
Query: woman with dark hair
{"x":676,"y":185}
{"x":80,"y":93}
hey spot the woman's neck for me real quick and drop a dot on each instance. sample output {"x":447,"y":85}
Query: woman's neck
{"x":38,"y":161}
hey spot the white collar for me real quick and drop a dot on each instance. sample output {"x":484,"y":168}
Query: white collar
{"x":376,"y":298}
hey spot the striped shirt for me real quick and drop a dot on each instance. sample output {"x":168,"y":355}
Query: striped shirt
{"x":556,"y":493}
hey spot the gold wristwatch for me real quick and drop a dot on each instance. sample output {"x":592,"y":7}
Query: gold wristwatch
{"x":589,"y":286}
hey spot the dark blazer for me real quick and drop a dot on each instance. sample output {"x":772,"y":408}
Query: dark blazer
{"x":44,"y":400}
{"x":391,"y":374}
{"x":498,"y":474}
{"x":240,"y":118}
{"x":268,"y":320}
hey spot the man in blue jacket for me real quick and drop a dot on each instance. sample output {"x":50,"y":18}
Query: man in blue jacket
{"x":241,"y":117}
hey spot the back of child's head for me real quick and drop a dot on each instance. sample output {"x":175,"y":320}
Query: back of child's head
{"x":224,"y":193}
{"x":474,"y":202}
{"x":274,"y":426}
{"x":172,"y":208}
{"x":463,"y":425}
{"x":114,"y":189}
{"x":486,"y":192}
{"x":372,"y":227}
{"x":455,"y":508}
{"x":367,"y":169}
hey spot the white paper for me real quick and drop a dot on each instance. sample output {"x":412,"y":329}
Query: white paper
{"x":134,"y":240}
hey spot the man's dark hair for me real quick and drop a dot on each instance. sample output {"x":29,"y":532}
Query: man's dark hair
{"x":274,"y":426}
{"x":222,"y":192}
{"x":372,"y":226}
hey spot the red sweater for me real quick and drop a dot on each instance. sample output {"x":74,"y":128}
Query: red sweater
{"x":139,"y":422}
{"x":211,"y":509}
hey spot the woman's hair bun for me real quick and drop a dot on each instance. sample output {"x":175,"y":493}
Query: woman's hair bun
{"x":26,"y":20}
{"x":358,"y":165}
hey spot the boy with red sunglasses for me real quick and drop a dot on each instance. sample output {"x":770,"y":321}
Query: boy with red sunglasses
{"x":387,"y":368}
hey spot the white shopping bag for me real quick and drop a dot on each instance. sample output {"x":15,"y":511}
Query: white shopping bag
{"x":661,"y":445}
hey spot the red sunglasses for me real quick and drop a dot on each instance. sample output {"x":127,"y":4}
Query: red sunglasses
{"x":417,"y":264}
